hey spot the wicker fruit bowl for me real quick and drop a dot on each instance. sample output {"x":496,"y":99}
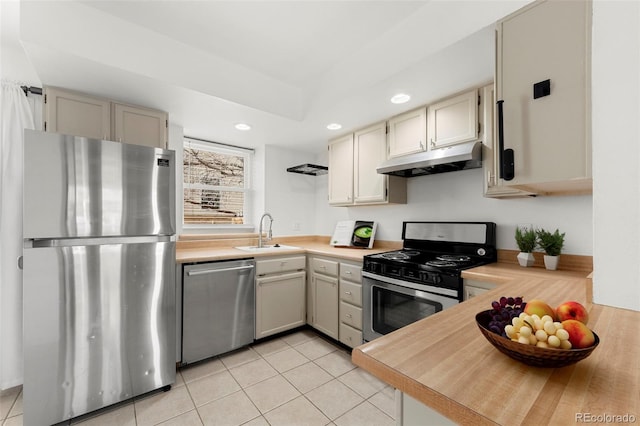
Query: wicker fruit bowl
{"x":529,"y":354}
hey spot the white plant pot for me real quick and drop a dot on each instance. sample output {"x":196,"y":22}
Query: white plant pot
{"x":551,"y":262}
{"x":526,"y":259}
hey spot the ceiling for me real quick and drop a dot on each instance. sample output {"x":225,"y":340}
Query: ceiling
{"x":287,"y":68}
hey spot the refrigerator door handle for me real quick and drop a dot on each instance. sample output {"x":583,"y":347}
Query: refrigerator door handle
{"x":213,"y":271}
{"x":20,"y":263}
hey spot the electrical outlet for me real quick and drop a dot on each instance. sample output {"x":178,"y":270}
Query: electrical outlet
{"x":296,"y":226}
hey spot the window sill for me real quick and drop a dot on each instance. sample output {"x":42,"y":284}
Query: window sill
{"x":217,"y":229}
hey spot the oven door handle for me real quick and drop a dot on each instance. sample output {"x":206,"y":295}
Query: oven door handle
{"x":440,"y":291}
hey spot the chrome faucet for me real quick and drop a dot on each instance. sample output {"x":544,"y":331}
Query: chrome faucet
{"x":269,"y":234}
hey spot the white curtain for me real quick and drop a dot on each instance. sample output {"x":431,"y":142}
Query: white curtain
{"x":16,"y":115}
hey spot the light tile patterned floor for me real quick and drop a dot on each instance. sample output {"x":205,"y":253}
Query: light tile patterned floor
{"x":297,"y":379}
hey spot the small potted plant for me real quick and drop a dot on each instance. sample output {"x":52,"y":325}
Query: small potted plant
{"x":552,"y":245}
{"x":526,"y":240}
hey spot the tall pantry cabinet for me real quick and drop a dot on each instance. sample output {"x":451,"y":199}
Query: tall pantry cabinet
{"x":543,"y":77}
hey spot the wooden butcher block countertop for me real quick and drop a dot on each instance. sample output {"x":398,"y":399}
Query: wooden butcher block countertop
{"x":445,"y":362}
{"x":205,"y":249}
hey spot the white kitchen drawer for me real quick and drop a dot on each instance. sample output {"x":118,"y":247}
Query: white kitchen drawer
{"x":323,"y":266}
{"x":351,"y":272}
{"x":351,"y":315}
{"x":281,"y":264}
{"x":351,"y":292}
{"x":350,"y":336}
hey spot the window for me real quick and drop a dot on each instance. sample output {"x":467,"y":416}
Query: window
{"x":215,"y":183}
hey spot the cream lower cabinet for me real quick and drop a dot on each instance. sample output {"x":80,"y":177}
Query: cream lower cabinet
{"x":350,"y":304}
{"x":411,"y":412}
{"x":280,"y":295}
{"x":323,"y":296}
{"x":472,"y":288}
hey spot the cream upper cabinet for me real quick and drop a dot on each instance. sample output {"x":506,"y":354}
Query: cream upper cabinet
{"x":73,"y":113}
{"x":341,"y":170}
{"x":353,"y":179}
{"x":543,"y":77}
{"x":453,"y":120}
{"x":408,"y":132}
{"x":140,"y":126}
{"x":494,"y":186}
{"x":77,"y":114}
{"x":370,"y":149}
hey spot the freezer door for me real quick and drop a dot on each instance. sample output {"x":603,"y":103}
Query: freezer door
{"x":79,"y":187}
{"x":99,"y":326}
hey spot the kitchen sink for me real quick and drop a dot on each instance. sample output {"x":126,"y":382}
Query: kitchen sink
{"x":268,"y":248}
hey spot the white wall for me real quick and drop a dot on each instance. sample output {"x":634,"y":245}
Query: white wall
{"x":457,"y":196}
{"x":289,"y":197}
{"x":616,"y":153}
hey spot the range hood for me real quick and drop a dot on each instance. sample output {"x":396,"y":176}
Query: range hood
{"x":448,"y":159}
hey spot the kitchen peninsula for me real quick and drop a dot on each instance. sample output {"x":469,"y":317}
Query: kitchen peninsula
{"x":444,"y":362}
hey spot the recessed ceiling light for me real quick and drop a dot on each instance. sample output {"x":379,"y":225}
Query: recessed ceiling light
{"x":243,"y":126}
{"x":334,"y":126}
{"x":400,"y":98}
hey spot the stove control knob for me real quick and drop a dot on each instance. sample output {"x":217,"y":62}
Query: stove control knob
{"x":436,"y":279}
{"x":481,"y":252}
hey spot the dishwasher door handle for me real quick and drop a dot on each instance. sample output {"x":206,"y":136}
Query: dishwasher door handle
{"x":213,"y":271}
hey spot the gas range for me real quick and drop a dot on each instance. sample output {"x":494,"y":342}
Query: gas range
{"x":436,"y":253}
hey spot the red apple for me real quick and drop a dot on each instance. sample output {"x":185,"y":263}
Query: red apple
{"x":579,"y":334}
{"x":539,"y":307}
{"x":572,"y":310}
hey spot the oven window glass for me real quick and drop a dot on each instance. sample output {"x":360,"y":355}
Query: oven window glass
{"x":393,"y":310}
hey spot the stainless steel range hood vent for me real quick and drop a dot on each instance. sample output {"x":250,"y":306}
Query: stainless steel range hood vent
{"x":449,"y":159}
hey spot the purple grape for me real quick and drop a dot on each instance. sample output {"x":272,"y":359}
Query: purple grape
{"x":518,"y":300}
{"x":503,"y":301}
{"x":510,"y":301}
{"x":495,"y":305}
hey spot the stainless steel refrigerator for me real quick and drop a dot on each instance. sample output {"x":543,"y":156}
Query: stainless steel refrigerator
{"x":99,"y":274}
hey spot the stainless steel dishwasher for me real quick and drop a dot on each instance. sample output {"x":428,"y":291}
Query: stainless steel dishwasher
{"x":218,"y":312}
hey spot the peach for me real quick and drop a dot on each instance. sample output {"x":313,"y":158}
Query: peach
{"x":539,"y":307}
{"x":572,"y":310}
{"x":579,"y":334}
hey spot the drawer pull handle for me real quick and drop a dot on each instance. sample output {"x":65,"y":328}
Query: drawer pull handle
{"x":347,"y":292}
{"x":349,"y":316}
{"x":348,"y":272}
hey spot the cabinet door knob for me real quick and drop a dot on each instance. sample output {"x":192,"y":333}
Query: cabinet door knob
{"x":433,"y":144}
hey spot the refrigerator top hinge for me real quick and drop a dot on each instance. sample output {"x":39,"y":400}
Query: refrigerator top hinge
{"x":45,"y":126}
{"x":45,"y":98}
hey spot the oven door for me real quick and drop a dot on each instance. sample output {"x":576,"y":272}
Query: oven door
{"x":390,"y":304}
